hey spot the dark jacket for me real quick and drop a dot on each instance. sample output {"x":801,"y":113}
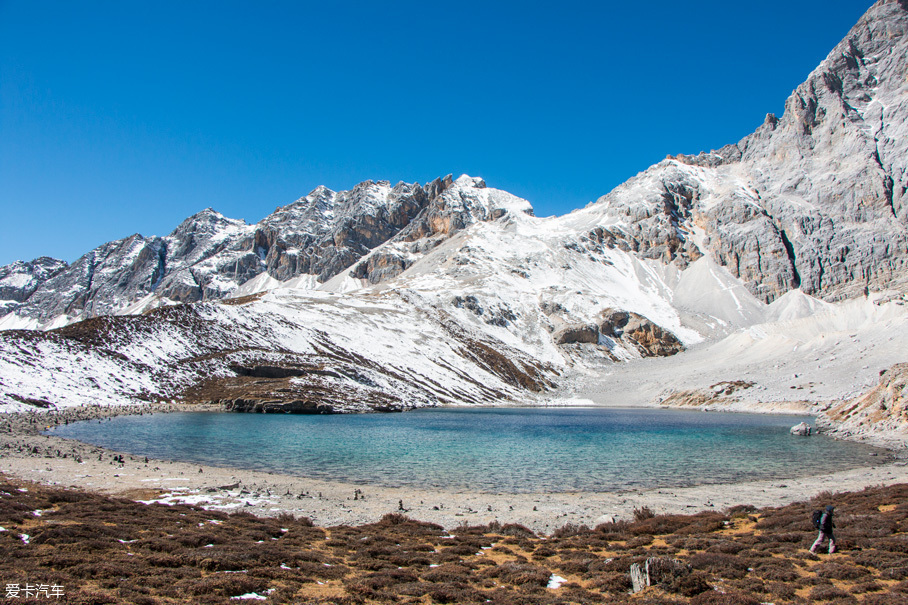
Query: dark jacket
{"x":826,"y":523}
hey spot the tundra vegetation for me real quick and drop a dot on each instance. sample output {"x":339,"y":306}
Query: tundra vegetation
{"x":104,"y":549}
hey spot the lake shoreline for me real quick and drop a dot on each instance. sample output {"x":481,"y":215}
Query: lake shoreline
{"x":27,"y":454}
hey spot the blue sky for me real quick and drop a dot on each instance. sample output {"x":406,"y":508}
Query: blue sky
{"x":126,"y":117}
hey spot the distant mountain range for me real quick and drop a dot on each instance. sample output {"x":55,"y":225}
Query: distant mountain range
{"x":388,"y":297}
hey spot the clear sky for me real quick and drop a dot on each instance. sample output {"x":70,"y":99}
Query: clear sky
{"x":126,"y":117}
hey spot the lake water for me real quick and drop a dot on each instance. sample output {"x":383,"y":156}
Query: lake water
{"x":508,"y":450}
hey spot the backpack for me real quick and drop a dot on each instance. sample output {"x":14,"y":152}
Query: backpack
{"x":816,"y":517}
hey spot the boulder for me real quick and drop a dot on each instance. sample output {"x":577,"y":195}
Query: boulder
{"x":803,"y":429}
{"x":577,"y":333}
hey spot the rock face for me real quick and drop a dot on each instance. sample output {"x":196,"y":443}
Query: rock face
{"x":649,"y":338}
{"x":881,"y":414}
{"x":632,"y":329}
{"x":815,"y":199}
{"x":19,"y":280}
{"x":208,"y":255}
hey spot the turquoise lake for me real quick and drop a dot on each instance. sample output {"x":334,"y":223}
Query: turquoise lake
{"x":503,"y":450}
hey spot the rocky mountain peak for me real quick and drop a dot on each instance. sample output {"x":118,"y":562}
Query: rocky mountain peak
{"x":466,"y":180}
{"x":20,"y":279}
{"x":320,"y":192}
{"x":208,"y":216}
{"x":815,"y":199}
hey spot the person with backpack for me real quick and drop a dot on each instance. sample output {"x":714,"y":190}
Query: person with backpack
{"x":822,"y":520}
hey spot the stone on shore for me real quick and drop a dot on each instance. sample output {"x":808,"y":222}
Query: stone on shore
{"x":803,"y":429}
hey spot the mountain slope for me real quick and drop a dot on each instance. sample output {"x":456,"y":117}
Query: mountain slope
{"x":388,"y":297}
{"x":208,"y":255}
{"x":816,"y":199}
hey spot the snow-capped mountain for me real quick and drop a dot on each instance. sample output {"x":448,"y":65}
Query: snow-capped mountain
{"x":387,"y":297}
{"x":19,"y":280}
{"x":816,"y":199}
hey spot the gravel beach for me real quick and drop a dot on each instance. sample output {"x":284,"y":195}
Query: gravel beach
{"x":27,"y":454}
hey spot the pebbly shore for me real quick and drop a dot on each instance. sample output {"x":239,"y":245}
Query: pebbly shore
{"x":27,"y":453}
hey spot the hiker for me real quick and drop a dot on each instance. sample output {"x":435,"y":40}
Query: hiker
{"x":825,"y":526}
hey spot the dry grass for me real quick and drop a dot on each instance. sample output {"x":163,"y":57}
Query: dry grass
{"x":110,"y":550}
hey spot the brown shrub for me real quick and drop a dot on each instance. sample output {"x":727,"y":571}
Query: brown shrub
{"x":617,"y":564}
{"x":659,"y":525}
{"x":449,"y":572}
{"x":841,"y":571}
{"x":104,"y":536}
{"x":387,"y":578}
{"x":885,"y":599}
{"x":522,"y":575}
{"x":225,"y":584}
{"x":726,"y":566}
{"x":544,"y":552}
{"x":612,"y":582}
{"x":866,"y":587}
{"x":573,"y":593}
{"x":726,"y":547}
{"x":89,"y":597}
{"x":410,"y":559}
{"x":749,"y":585}
{"x":713,"y":597}
{"x":455,"y":593}
{"x":371,"y":564}
{"x":362,"y":590}
{"x":644,"y":512}
{"x":613,"y":531}
{"x":516,"y":530}
{"x":830,"y":593}
{"x":322,"y":571}
{"x":895,"y":573}
{"x":866,"y":526}
{"x":688,"y":585}
{"x":897,"y":544}
{"x":462,"y":550}
{"x":574,"y":566}
{"x":571,"y":529}
{"x":638,"y":541}
{"x":777,"y":570}
{"x":741,"y":510}
{"x":781,"y":590}
{"x":406,"y":525}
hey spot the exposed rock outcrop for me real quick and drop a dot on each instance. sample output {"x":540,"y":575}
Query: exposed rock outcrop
{"x":19,"y":280}
{"x":720,"y":395}
{"x":576,"y":333}
{"x":880,"y":415}
{"x":650,"y":339}
{"x":815,"y":199}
